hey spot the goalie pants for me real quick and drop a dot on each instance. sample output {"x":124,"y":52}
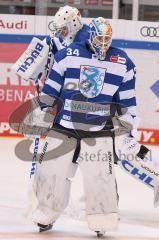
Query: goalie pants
{"x":55,"y":170}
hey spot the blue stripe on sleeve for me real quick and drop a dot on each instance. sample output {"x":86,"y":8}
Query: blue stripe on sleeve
{"x":129,"y":85}
{"x":114,"y":80}
{"x":56,"y":77}
{"x":50,"y":91}
{"x":128,"y":102}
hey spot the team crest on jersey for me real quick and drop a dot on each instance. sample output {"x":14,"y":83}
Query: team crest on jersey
{"x":91,"y":80}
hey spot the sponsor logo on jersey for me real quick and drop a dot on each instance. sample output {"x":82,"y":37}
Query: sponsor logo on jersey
{"x":118,"y":59}
{"x":86,"y":107}
{"x":91,"y":80}
{"x":13,"y":25}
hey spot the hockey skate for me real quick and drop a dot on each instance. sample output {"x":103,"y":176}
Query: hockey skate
{"x":44,"y":228}
{"x":100,"y":234}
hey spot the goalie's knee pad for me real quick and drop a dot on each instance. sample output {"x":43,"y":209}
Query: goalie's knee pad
{"x":103,"y":222}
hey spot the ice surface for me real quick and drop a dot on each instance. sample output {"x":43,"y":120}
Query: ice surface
{"x":138,"y":219}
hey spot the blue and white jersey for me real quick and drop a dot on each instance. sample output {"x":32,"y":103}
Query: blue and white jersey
{"x":87,"y":87}
{"x":82,"y":34}
{"x":57,"y":43}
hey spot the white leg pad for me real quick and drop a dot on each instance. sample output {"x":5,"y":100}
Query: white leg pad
{"x":52,"y":181}
{"x":103,"y":222}
{"x":97,"y":168}
{"x":41,"y":217}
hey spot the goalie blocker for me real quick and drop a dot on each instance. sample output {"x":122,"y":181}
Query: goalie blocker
{"x":33,"y":61}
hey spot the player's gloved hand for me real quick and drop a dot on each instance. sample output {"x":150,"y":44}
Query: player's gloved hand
{"x":37,"y":122}
{"x":130,"y":145}
{"x":129,"y":134}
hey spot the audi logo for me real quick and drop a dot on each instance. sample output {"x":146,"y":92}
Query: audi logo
{"x":149,"y":31}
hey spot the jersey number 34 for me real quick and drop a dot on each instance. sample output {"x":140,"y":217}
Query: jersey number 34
{"x":72,"y":52}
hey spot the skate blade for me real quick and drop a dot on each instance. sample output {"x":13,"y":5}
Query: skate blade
{"x":100,"y":234}
{"x":44,"y":228}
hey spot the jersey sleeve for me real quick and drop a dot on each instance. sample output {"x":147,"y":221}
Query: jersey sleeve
{"x":56,"y":43}
{"x":126,"y":96}
{"x":83,"y":34}
{"x":127,"y":92}
{"x":52,"y":86}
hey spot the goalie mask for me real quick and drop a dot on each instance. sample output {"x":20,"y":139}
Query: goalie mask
{"x":67,"y":22}
{"x":100,"y":37}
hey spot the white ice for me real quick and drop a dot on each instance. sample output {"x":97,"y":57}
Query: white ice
{"x":138,"y":218}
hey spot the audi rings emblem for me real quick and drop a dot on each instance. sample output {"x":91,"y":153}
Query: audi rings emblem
{"x":149,"y":31}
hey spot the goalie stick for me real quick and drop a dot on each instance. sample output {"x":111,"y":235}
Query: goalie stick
{"x":33,"y":199}
{"x":37,"y":138}
{"x":144,"y":173}
{"x":139,"y":169}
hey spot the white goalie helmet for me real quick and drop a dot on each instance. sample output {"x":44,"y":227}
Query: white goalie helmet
{"x":67,"y":22}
